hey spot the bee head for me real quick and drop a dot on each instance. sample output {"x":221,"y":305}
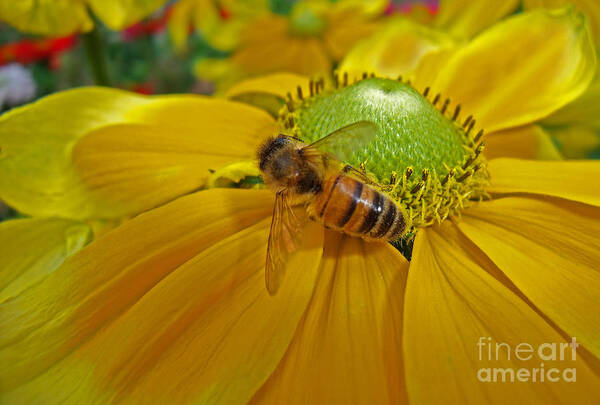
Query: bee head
{"x":280,"y":161}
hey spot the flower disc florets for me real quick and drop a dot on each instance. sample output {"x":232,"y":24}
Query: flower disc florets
{"x":425,"y":155}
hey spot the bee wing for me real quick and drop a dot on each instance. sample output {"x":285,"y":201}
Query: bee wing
{"x":285,"y":238}
{"x":342,"y":143}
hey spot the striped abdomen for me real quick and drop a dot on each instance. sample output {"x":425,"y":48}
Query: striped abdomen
{"x":350,"y":206}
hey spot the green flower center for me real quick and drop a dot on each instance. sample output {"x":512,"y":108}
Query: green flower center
{"x":306,"y":21}
{"x":412,"y":132}
{"x":423,"y":156}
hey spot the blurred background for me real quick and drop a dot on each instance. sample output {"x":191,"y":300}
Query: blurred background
{"x":144,"y":57}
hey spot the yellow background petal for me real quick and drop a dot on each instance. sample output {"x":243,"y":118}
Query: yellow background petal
{"x":551,"y":252}
{"x":30,"y":249}
{"x":465,"y":18}
{"x":267,"y":47}
{"x":573,"y":180}
{"x":119,"y":14}
{"x":504,"y":85}
{"x":348,"y":346}
{"x":590,"y":7}
{"x":38,"y":176}
{"x":395,"y":49}
{"x":345,"y":28}
{"x":584,"y":110}
{"x":526,"y":142}
{"x":101,"y":282}
{"x":576,"y":141}
{"x":451,"y":304}
{"x":46,"y":17}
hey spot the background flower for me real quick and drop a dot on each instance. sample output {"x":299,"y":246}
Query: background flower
{"x":63,"y":17}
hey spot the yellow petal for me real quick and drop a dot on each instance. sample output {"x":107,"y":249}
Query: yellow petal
{"x":395,"y":49}
{"x":269,"y":91}
{"x":576,"y":141}
{"x":526,"y":142}
{"x":591,"y":8}
{"x":572,"y":180}
{"x":369,"y":7}
{"x":129,"y":168}
{"x":504,"y":85}
{"x":348,"y":346}
{"x":100,"y":283}
{"x":119,"y":14}
{"x":59,"y":155}
{"x":455,"y":310}
{"x":551,"y":252}
{"x":345,"y":29}
{"x":30,"y":249}
{"x":584,"y":110}
{"x":465,"y":18}
{"x":269,"y":47}
{"x":217,"y":74}
{"x":46,"y":17}
{"x":181,"y":18}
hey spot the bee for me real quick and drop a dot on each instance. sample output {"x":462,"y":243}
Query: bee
{"x":339,"y":196}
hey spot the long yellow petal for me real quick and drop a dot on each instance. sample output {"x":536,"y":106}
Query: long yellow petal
{"x":136,"y":166}
{"x":46,"y":17}
{"x":30,"y":249}
{"x":591,"y":8}
{"x":526,"y":142}
{"x":395,"y":49}
{"x":58,"y":156}
{"x":551,"y":252}
{"x":456,"y":312}
{"x":348,"y":345}
{"x":108,"y":278}
{"x":572,"y":180}
{"x":504,"y":85}
{"x":119,"y":14}
{"x":465,"y":18}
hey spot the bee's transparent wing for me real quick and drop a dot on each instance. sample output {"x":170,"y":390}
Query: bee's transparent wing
{"x":343,"y":143}
{"x":285,"y":238}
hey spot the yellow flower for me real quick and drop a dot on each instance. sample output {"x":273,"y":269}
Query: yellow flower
{"x":401,"y":42}
{"x":62,"y":17}
{"x":309,"y":39}
{"x":171,"y":306}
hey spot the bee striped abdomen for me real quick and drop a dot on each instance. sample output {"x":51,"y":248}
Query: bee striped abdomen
{"x":350,"y":206}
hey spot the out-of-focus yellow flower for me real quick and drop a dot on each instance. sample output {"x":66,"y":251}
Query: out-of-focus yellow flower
{"x":171,"y":306}
{"x":399,"y":45}
{"x":62,"y":17}
{"x":591,"y":8}
{"x":308,"y":40}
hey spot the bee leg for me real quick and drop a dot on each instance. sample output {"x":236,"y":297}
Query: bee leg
{"x":359,"y":173}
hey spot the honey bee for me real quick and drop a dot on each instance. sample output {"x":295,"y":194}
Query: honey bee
{"x":341,"y":197}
